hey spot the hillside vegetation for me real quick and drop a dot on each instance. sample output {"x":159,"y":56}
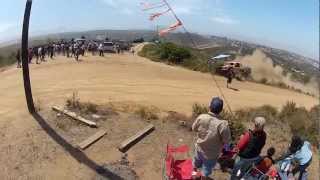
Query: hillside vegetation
{"x":171,"y":53}
{"x":6,"y":60}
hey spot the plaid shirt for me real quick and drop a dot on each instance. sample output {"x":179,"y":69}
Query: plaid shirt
{"x":212,"y":134}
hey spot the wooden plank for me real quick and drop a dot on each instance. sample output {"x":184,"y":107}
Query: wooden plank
{"x":74,"y":116}
{"x":127,"y":144}
{"x":92,"y":139}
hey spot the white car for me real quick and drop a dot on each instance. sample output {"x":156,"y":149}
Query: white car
{"x":80,"y":41}
{"x":108,"y":47}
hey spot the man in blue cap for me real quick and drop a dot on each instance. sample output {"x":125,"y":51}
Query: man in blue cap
{"x":212,"y":134}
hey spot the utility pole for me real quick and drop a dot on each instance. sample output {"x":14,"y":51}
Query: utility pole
{"x":24,"y":56}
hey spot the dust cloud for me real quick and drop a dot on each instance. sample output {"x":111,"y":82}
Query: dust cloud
{"x":262,"y":67}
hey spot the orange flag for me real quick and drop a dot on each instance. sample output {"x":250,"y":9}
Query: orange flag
{"x":147,"y":6}
{"x":171,"y":28}
{"x":155,"y":15}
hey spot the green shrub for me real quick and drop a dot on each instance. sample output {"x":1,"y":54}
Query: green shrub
{"x":295,"y":76}
{"x":196,"y":64}
{"x":237,"y":129}
{"x":198,"y":109}
{"x":287,"y":110}
{"x":150,"y":51}
{"x":6,"y":60}
{"x":173,"y":53}
{"x":236,"y":126}
{"x":298,"y":120}
{"x":267,"y":111}
{"x":313,"y":130}
{"x":242,"y":116}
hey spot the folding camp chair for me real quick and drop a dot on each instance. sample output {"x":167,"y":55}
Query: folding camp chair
{"x":177,"y":169}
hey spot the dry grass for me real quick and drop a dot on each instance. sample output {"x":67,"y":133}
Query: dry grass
{"x":74,"y":101}
{"x":175,"y":116}
{"x":147,"y":113}
{"x":89,"y":107}
{"x":300,"y":121}
{"x":198,"y":109}
{"x":279,"y":133}
{"x":38,"y":105}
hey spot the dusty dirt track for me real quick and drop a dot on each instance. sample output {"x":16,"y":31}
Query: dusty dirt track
{"x":117,"y":78}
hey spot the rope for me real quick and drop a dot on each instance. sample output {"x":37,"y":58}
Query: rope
{"x":195,"y":46}
{"x":184,"y":28}
{"x":221,"y":92}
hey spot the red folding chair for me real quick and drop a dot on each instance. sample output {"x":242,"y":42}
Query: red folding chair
{"x":178,"y":169}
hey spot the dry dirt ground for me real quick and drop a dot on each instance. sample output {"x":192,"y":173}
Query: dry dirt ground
{"x":28,"y":152}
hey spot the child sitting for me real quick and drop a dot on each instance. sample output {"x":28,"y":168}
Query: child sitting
{"x":263,"y":166}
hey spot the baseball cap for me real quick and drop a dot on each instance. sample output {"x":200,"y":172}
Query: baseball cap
{"x":216,"y":105}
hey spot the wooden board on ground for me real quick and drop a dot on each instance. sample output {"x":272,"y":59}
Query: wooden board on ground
{"x":127,"y":144}
{"x":74,"y":116}
{"x":92,"y":139}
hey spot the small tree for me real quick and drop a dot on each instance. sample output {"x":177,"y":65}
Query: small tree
{"x":177,"y":55}
{"x":173,"y":53}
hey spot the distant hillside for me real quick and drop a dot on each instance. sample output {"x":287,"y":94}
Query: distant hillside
{"x":210,"y":44}
{"x":7,"y":50}
{"x":262,"y":68}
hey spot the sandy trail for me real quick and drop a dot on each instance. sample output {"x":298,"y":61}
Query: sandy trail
{"x":112,"y":78}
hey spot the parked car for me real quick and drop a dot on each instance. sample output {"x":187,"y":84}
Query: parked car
{"x":109,"y":47}
{"x":81,"y":41}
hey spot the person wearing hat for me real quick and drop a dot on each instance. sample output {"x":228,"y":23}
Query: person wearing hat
{"x":249,"y":148}
{"x":212,"y":134}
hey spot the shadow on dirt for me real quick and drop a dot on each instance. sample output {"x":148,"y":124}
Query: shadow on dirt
{"x":234,"y":89}
{"x":74,"y":152}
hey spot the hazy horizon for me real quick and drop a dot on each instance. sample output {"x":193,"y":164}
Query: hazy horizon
{"x":290,"y":25}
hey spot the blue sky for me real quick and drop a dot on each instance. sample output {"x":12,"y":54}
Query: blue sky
{"x":286,"y":24}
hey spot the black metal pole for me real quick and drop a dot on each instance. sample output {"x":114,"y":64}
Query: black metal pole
{"x":25,"y":59}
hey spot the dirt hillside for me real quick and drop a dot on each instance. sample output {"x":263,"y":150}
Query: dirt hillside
{"x":27,"y":152}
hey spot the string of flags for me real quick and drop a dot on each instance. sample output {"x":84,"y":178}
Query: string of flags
{"x":148,"y":6}
{"x":156,"y":15}
{"x":162,"y":5}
